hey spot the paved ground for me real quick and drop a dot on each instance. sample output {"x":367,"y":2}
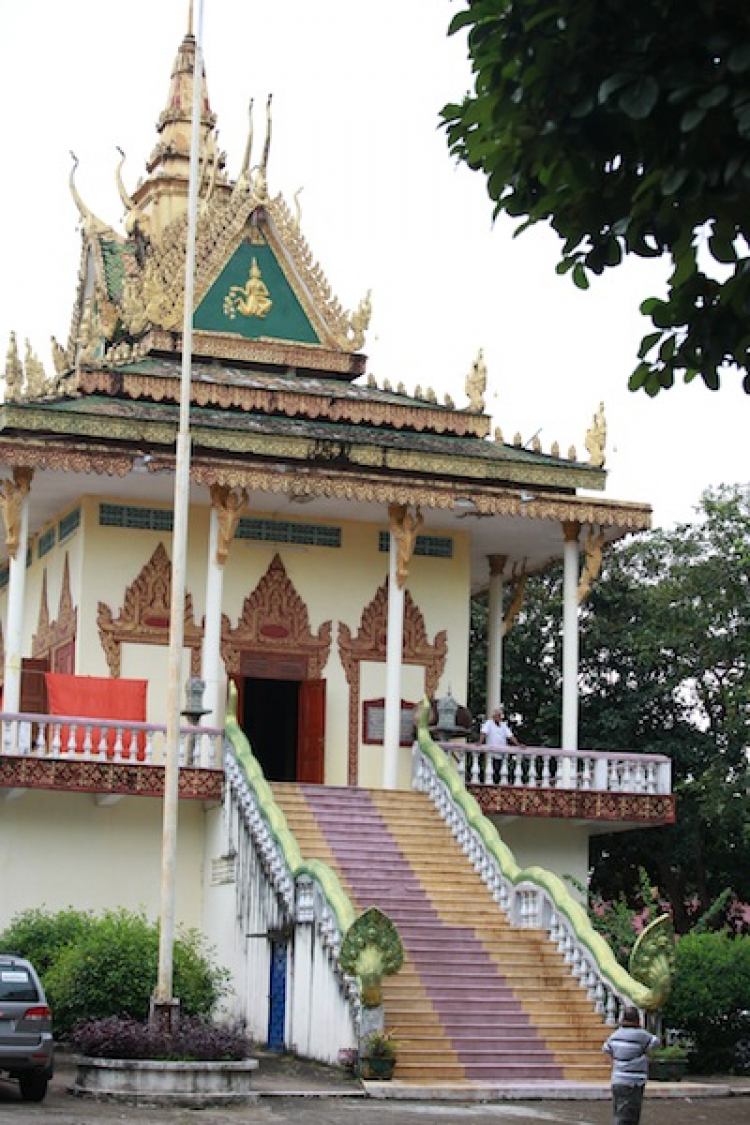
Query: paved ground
{"x":293,"y":1091}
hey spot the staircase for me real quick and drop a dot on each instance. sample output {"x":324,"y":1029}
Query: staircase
{"x":476,"y":999}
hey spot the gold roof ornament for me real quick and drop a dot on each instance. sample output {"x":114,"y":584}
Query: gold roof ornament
{"x":596,"y":438}
{"x":13,"y":372}
{"x":498,"y":435}
{"x":89,"y":222}
{"x":476,"y":383}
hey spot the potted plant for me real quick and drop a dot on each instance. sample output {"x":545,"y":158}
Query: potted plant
{"x":668,"y":1064}
{"x":378,"y":1055}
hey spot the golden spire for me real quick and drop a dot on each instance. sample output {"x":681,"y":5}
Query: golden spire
{"x":163,"y":196}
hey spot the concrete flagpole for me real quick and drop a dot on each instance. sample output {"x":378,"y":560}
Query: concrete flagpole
{"x":165,"y":1006}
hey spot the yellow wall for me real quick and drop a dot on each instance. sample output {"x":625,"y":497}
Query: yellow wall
{"x":336,"y":585}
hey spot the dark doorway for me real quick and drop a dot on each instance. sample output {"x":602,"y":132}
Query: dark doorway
{"x":270,"y":717}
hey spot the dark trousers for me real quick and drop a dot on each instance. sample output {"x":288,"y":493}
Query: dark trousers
{"x":626,"y":1104}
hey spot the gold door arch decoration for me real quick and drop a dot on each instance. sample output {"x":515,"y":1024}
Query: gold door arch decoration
{"x":275,"y":619}
{"x":55,"y":640}
{"x":370,"y":644}
{"x":144,"y":617}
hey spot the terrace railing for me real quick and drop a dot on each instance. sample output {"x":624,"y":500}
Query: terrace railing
{"x":533,"y":767}
{"x":106,"y":740}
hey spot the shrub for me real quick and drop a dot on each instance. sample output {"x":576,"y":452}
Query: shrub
{"x":710,"y":997}
{"x":107,"y":965}
{"x":41,"y":937}
{"x":193,"y":1040}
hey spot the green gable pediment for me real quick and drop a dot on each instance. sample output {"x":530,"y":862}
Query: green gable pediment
{"x":252,"y":297}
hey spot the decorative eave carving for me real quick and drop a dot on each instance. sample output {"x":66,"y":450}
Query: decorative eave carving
{"x":227,"y":395}
{"x":145,"y":613}
{"x":275,"y":616}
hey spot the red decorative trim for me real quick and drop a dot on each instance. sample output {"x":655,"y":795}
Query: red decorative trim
{"x":73,"y":775}
{"x":584,"y":804}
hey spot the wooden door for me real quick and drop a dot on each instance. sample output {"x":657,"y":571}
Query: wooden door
{"x":311,"y":729}
{"x":33,"y":699}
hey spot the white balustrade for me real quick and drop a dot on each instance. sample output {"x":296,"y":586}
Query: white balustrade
{"x":72,"y":737}
{"x":526,"y":905}
{"x":535,"y":767}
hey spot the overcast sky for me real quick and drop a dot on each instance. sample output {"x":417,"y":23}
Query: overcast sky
{"x":357,"y":89}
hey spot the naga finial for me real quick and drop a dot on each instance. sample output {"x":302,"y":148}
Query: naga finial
{"x":90,"y":222}
{"x":137,"y":222}
{"x":596,"y":438}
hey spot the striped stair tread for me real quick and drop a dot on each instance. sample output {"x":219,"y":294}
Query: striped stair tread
{"x":476,"y":1000}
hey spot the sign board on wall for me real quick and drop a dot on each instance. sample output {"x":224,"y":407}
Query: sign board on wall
{"x":373,"y":722}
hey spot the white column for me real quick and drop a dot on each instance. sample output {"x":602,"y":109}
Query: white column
{"x":494,"y":688}
{"x":569,"y":740}
{"x":16,"y":588}
{"x":394,"y":651}
{"x":212,"y":672}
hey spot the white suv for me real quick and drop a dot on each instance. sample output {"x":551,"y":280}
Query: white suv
{"x":26,"y":1048}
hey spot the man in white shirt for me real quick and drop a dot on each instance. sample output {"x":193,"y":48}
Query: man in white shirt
{"x":495,"y":732}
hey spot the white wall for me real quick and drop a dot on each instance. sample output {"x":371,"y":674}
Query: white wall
{"x":557,"y":845}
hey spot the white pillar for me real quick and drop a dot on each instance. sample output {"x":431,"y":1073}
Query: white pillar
{"x":16,"y":594}
{"x":569,"y":740}
{"x":394,"y":651}
{"x":212,"y":672}
{"x":494,"y":687}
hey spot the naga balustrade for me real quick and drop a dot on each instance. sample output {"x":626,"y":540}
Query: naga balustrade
{"x":526,"y":901}
{"x":532,"y":767}
{"x":118,"y":741}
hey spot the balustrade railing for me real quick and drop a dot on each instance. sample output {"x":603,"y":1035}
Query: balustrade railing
{"x":106,"y":740}
{"x":531,"y":900}
{"x":533,"y":767}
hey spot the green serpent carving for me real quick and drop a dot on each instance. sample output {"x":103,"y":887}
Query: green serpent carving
{"x":371,"y":950}
{"x":647,"y":985}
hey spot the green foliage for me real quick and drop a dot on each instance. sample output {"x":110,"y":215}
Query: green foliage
{"x":108,"y":965}
{"x":625,"y":126}
{"x":41,"y":937}
{"x":709,"y":994}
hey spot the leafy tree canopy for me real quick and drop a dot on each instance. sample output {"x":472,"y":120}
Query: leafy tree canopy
{"x":627,"y":127}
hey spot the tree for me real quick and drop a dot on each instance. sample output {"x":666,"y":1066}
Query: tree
{"x":626,"y":126}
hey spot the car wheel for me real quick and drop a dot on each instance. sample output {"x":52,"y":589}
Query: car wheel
{"x":33,"y":1087}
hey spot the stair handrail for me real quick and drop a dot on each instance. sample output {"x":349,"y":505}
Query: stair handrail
{"x":290,"y":874}
{"x":534,"y":897}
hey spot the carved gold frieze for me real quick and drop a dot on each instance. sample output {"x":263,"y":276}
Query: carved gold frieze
{"x":274,"y":618}
{"x":231,"y":348}
{"x":45,"y":456}
{"x":369,"y":644}
{"x":144,"y":617}
{"x":251,"y":299}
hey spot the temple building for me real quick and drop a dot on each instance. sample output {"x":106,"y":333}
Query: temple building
{"x":337,"y":531}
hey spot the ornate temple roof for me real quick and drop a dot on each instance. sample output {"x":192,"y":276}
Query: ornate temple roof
{"x":278,"y":393}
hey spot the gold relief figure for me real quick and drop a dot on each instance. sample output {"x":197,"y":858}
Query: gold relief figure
{"x":229,"y":503}
{"x":12,"y":495}
{"x":404,"y":528}
{"x":596,"y":438}
{"x":476,"y":383}
{"x":593,"y":545}
{"x":250,"y":299}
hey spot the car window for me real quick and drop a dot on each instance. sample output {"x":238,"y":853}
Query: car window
{"x":16,"y":984}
